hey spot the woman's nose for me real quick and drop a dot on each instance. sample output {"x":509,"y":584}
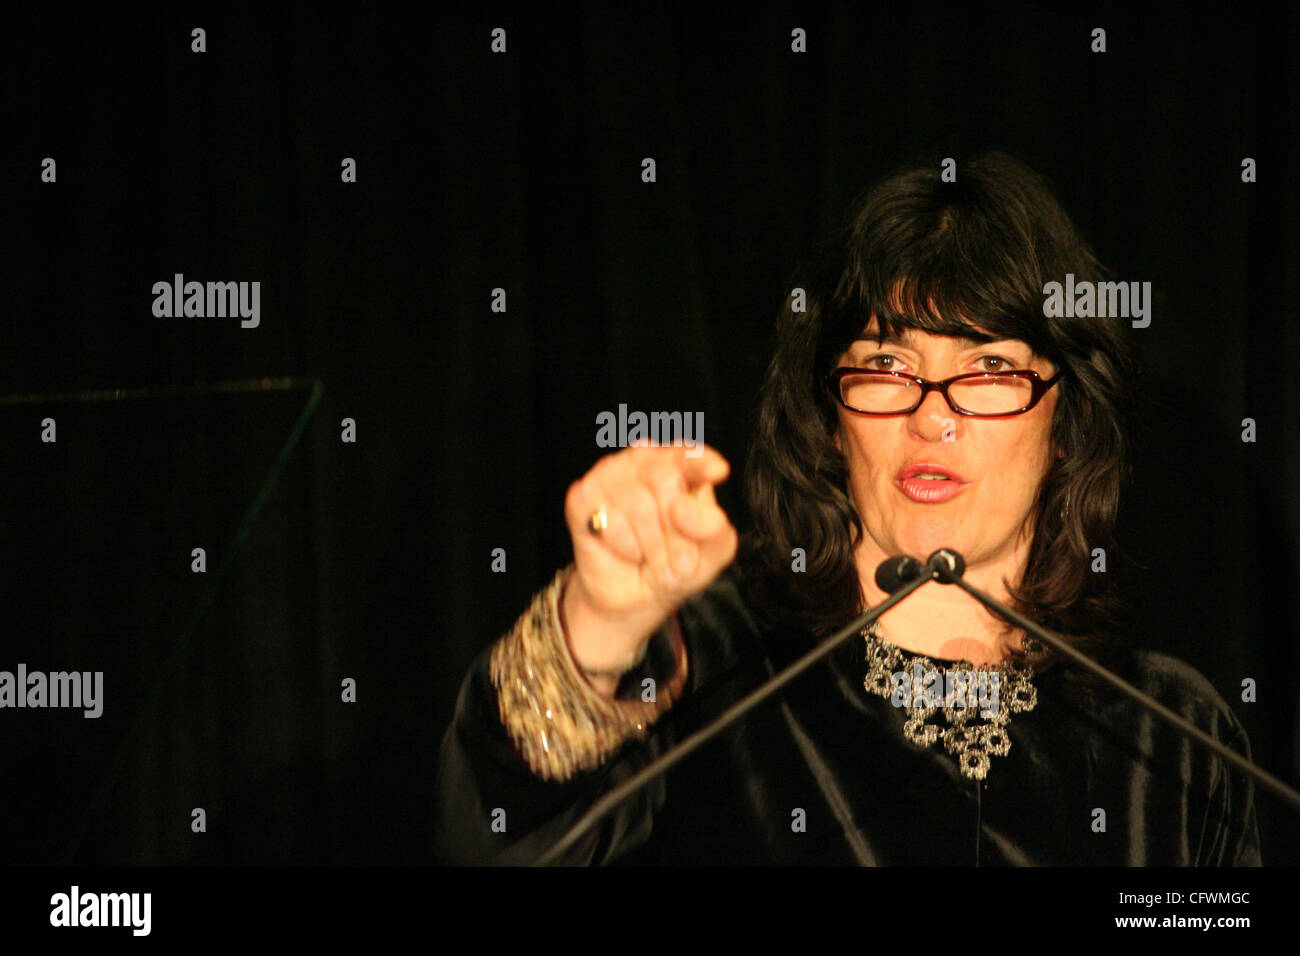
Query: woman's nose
{"x":934,"y":420}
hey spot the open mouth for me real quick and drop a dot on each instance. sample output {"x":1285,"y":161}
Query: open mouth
{"x":929,"y":484}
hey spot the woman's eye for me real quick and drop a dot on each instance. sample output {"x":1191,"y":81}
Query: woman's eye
{"x":998,"y":363}
{"x":886,"y":362}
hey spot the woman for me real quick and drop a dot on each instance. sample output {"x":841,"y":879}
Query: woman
{"x":919,"y":398}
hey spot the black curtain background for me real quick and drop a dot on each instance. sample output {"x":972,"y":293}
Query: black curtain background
{"x":521,"y":171}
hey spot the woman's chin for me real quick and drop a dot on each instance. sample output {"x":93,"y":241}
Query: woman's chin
{"x":924,"y":542}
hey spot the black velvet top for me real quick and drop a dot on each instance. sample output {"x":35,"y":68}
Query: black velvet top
{"x":823,"y":775}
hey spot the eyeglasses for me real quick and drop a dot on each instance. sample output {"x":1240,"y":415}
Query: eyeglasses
{"x":982,"y":394}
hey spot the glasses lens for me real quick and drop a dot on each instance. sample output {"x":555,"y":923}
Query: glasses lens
{"x":992,"y":395}
{"x":878,"y":393}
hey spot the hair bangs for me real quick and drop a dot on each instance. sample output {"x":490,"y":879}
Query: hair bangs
{"x":950,"y":264}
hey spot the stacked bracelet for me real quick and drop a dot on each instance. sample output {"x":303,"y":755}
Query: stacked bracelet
{"x":560,"y":725}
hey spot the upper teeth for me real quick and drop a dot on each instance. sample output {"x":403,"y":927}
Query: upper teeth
{"x":931,"y":475}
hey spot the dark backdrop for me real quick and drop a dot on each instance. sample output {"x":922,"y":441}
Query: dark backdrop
{"x":372,"y":560}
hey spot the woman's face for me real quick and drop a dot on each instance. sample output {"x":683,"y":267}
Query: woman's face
{"x":999,"y":462}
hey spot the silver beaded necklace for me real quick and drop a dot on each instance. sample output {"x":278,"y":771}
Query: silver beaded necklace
{"x":977,"y":702}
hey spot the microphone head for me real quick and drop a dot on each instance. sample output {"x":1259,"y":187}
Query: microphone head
{"x":894,"y":572}
{"x":946,"y":565}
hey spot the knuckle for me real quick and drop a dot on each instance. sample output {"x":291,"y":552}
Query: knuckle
{"x":667,"y":482}
{"x":656,"y":460}
{"x":574,"y":495}
{"x":605,"y":465}
{"x":641,"y":504}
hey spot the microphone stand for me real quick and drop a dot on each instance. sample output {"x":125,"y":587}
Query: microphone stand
{"x":947,"y":567}
{"x":900,"y":568}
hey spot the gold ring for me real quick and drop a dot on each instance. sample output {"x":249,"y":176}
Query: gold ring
{"x":598,"y":521}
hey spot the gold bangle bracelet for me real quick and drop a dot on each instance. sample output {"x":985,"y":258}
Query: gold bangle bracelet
{"x":559,"y":724}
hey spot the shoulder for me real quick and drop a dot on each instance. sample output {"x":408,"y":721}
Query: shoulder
{"x":1180,"y":687}
{"x":1172,"y":678}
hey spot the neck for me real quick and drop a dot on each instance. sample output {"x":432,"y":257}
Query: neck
{"x":941,"y":620}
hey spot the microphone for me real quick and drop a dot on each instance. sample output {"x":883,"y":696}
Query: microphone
{"x":893,"y":570}
{"x":947,"y":567}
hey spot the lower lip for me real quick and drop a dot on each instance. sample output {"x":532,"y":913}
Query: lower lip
{"x":930,"y":492}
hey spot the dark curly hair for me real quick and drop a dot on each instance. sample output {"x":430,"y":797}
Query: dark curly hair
{"x":925,"y":254}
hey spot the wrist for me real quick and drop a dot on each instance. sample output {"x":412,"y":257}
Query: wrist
{"x":557,"y":722}
{"x":602,"y":645}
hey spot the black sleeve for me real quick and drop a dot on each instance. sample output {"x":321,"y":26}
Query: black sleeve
{"x":1231,"y":828}
{"x":492,"y":810}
